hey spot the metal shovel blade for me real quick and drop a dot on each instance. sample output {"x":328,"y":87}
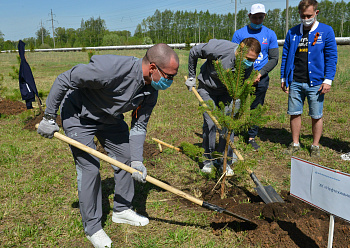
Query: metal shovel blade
{"x":268,"y":194}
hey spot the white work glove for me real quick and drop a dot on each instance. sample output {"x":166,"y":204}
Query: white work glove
{"x":137,"y":165}
{"x":190,"y":82}
{"x":48,"y":126}
{"x":228,"y":108}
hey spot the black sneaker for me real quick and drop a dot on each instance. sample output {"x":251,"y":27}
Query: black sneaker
{"x":253,"y":143}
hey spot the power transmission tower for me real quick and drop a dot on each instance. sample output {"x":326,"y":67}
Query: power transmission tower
{"x":53,"y":29}
{"x":42,"y":32}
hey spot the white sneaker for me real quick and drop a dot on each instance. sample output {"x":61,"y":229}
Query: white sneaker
{"x":345,"y":156}
{"x":100,"y":239}
{"x":129,"y":217}
{"x":208,"y":166}
{"x":229,"y":171}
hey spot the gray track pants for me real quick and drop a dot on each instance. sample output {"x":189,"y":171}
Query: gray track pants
{"x":115,"y":140}
{"x":209,"y":128}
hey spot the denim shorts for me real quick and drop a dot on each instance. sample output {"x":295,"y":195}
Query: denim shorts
{"x":298,"y":92}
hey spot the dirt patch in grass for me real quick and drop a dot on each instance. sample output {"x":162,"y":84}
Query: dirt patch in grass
{"x":8,"y":107}
{"x":31,"y":122}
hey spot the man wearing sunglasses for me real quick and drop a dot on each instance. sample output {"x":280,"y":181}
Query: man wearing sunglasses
{"x":93,"y":98}
{"x":211,"y":88}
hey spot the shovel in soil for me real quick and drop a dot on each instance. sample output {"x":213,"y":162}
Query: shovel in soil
{"x":150,"y":179}
{"x":267,"y":193}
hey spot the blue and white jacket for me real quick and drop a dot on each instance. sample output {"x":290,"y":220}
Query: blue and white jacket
{"x":322,"y":54}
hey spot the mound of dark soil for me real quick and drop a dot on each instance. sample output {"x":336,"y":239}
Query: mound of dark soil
{"x":289,"y":224}
{"x":8,"y":107}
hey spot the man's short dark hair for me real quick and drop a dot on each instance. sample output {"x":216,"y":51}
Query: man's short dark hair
{"x":161,"y":54}
{"x":252,"y":44}
{"x":304,"y":4}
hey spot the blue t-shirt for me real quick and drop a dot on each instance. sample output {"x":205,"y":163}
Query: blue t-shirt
{"x":266,"y":37}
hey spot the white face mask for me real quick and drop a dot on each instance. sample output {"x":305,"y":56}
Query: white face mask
{"x":308,"y":22}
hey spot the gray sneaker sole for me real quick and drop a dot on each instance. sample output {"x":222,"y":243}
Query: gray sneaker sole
{"x":130,"y":222}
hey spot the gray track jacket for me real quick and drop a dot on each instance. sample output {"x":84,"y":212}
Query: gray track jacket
{"x":107,"y":87}
{"x":213,"y":50}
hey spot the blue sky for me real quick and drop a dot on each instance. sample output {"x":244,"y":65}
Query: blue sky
{"x":22,"y":18}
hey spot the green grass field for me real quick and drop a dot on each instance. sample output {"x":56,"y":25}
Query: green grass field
{"x":39,"y":201}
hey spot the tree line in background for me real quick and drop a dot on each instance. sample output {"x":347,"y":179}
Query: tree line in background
{"x":183,"y":26}
{"x":180,"y":27}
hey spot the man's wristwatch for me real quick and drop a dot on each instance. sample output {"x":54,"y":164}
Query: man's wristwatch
{"x":50,"y":117}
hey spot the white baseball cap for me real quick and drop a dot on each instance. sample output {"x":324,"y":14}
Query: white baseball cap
{"x":257,"y":8}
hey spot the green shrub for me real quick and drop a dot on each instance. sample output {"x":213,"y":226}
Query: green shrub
{"x":15,"y":70}
{"x":15,"y":95}
{"x":44,"y":46}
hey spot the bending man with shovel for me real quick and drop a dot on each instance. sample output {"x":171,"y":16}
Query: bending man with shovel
{"x":210,"y":88}
{"x":93,"y":98}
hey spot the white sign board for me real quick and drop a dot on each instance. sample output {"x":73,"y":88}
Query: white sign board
{"x":321,"y":187}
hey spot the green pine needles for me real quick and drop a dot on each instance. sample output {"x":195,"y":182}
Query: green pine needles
{"x":192,"y":151}
{"x":236,"y":116}
{"x":231,"y":117}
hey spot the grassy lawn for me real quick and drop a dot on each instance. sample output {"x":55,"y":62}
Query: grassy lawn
{"x":38,"y":192}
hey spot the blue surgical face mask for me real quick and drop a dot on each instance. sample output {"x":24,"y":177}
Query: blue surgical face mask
{"x":255,"y":26}
{"x":247,"y":63}
{"x":162,"y":84}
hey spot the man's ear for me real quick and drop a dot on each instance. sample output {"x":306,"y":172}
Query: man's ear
{"x":152,"y":67}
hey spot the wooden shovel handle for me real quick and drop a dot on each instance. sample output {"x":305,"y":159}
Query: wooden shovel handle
{"x":124,"y":167}
{"x":148,"y":178}
{"x":166,"y":144}
{"x":200,"y":99}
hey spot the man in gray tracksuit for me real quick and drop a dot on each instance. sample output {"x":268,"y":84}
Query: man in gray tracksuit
{"x":211,"y":88}
{"x":93,"y":98}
